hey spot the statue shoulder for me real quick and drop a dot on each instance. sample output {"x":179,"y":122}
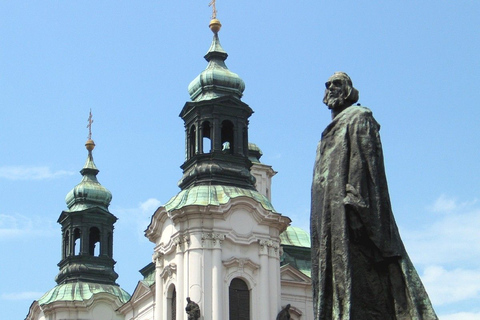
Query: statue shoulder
{"x":360,"y":112}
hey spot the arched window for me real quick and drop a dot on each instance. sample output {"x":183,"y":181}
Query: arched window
{"x":228,"y":143}
{"x":206,"y":137}
{"x":93,"y":240}
{"x":76,"y":239}
{"x":239,"y":300}
{"x":191,"y":142}
{"x":172,"y":303}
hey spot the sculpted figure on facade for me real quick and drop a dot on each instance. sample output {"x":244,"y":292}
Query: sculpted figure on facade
{"x":192,"y":309}
{"x":284,"y":314}
{"x":360,"y":269}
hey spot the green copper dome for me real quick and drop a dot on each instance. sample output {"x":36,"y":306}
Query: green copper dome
{"x":254,"y":152}
{"x":82,"y":291}
{"x":89,"y":192}
{"x":216,"y":80}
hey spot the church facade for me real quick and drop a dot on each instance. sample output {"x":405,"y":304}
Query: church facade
{"x":219,"y":241}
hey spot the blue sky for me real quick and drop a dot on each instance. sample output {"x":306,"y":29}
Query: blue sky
{"x":416,"y":65}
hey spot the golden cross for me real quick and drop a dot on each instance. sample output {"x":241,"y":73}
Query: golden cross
{"x":89,"y":126}
{"x":214,"y":9}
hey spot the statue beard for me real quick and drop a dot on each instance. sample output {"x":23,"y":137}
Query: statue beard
{"x":334,"y":101}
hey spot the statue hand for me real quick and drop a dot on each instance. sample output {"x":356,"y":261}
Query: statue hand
{"x":356,"y":227}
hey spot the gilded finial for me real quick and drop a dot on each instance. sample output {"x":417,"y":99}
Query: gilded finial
{"x":215,"y":24}
{"x":90,"y":144}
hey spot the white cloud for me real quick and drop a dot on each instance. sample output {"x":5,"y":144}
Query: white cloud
{"x":461,"y":316}
{"x":28,"y":295}
{"x":137,"y":218}
{"x":445,"y":204}
{"x":19,"y":226}
{"x":31,"y":173}
{"x":449,"y":237}
{"x":450,"y":286}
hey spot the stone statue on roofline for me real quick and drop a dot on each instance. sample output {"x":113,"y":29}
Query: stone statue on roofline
{"x":360,"y":269}
{"x":192,"y":309}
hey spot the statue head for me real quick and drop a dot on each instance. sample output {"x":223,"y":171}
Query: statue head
{"x":339,"y":91}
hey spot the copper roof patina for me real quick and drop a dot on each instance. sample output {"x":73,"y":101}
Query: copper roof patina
{"x":82,"y":291}
{"x":214,"y":195}
{"x":296,"y":249}
{"x":295,"y":236}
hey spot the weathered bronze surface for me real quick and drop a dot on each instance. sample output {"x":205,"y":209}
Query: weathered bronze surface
{"x":192,"y":309}
{"x":284,"y":314}
{"x":360,"y":269}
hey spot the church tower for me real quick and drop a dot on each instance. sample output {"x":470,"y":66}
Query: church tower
{"x":86,"y":287}
{"x":217,"y":241}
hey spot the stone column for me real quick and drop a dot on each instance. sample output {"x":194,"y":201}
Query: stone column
{"x":264,"y":280}
{"x":180,"y":287}
{"x":273,"y":277}
{"x":195,"y":269}
{"x":217,"y":283}
{"x":158,"y":307}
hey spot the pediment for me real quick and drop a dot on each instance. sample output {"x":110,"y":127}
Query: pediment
{"x":141,"y":290}
{"x":291,"y":274}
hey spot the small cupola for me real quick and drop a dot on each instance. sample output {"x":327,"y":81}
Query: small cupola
{"x":89,"y":192}
{"x":216,"y":80}
{"x":87,"y":229}
{"x":216,"y":125}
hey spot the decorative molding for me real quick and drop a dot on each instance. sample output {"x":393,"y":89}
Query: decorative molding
{"x":169,"y":271}
{"x":157,"y":259}
{"x":213,"y":240}
{"x":270,"y":247}
{"x":241,"y":264}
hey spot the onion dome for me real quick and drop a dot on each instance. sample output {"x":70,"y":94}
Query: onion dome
{"x":89,"y":192}
{"x":216,"y":80}
{"x":254,"y":152}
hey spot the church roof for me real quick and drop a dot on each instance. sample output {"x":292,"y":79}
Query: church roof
{"x":206,"y":195}
{"x":216,"y":80}
{"x":89,"y":192}
{"x":296,"y":237}
{"x":82,"y":291}
{"x":296,"y":249}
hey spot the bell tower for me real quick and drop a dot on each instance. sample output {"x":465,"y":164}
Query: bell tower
{"x":217,"y":241}
{"x":216,"y":125}
{"x":87,"y":230}
{"x":86,"y":287}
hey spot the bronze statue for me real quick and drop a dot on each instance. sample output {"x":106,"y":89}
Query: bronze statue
{"x":360,"y":269}
{"x":192,"y":309}
{"x":284,"y":314}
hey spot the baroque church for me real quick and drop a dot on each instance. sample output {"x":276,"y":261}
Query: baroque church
{"x":219,"y":241}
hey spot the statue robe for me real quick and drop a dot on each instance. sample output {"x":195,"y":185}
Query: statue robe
{"x":360,"y":269}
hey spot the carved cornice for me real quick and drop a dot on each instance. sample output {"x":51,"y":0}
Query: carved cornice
{"x":177,"y":242}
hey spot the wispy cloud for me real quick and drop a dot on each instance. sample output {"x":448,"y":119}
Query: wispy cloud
{"x":137,"y":218}
{"x":449,"y":286}
{"x":27,"y":295}
{"x":18,"y":226}
{"x":31,"y":173}
{"x":462,"y":316}
{"x":449,"y":239}
{"x":446,"y":204}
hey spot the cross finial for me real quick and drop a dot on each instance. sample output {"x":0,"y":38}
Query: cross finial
{"x":214,"y":9}
{"x":89,"y":126}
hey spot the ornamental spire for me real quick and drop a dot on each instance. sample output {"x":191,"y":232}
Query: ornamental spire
{"x":214,"y":9}
{"x":90,"y":145}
